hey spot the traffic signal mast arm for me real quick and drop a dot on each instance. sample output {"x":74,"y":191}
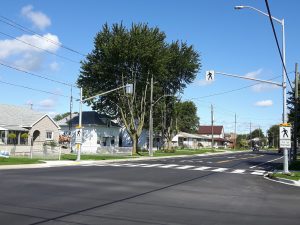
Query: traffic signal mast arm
{"x":249,"y":78}
{"x":107,"y":92}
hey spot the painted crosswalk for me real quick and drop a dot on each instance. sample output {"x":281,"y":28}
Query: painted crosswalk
{"x":184,"y":167}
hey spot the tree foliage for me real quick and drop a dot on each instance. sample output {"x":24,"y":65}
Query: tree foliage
{"x":61,"y":116}
{"x":134,"y":55}
{"x":273,"y":136}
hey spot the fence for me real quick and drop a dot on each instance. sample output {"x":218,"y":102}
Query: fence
{"x":113,"y":150}
{"x":41,"y":152}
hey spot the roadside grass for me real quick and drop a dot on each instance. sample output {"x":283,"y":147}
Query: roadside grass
{"x":94,"y":157}
{"x":293,"y":176}
{"x":16,"y":161}
{"x":294,"y":167}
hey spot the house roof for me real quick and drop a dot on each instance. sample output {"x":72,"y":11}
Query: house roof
{"x":88,"y":118}
{"x":208,"y":130}
{"x":18,"y":116}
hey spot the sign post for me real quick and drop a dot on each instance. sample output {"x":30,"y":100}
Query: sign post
{"x":285,"y":143}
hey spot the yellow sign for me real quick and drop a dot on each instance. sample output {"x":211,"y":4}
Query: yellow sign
{"x":285,"y":125}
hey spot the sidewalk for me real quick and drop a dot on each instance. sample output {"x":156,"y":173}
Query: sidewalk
{"x":61,"y":163}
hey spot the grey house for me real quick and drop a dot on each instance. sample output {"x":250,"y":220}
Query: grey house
{"x":18,"y":120}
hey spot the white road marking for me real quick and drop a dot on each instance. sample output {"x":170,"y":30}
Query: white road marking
{"x":231,"y":157}
{"x":169,"y":166}
{"x":220,"y":169}
{"x":202,"y":168}
{"x":152,"y":165}
{"x":184,"y":167}
{"x":258,"y":172}
{"x":251,"y":167}
{"x":238,"y":171}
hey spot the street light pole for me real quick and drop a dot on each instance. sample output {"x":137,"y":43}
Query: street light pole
{"x":284,"y":115}
{"x":128,"y":90}
{"x":151,"y":120}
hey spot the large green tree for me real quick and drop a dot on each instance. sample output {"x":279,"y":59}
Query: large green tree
{"x":273,"y":136}
{"x":134,"y":55}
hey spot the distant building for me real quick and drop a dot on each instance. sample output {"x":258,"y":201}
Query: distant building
{"x":38,"y":127}
{"x":215,"y":132}
{"x":99,"y":131}
{"x":194,"y":141}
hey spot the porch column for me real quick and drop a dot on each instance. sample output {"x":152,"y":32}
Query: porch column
{"x":5,"y":136}
{"x":19,"y":138}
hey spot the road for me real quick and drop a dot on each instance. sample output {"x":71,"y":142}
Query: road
{"x":219,"y":189}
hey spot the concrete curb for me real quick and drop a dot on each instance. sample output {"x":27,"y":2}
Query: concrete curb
{"x":62,"y":163}
{"x":282,"y":180}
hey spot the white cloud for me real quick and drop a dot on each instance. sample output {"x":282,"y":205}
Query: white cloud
{"x":54,"y":66}
{"x":264,"y":87}
{"x":26,"y":56}
{"x":47,"y":103}
{"x":264,"y":103}
{"x":254,"y":74}
{"x":39,"y":19}
{"x":11,"y":47}
{"x":204,"y":82}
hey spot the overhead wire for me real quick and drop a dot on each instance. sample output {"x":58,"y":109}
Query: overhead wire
{"x":276,"y":39}
{"x":30,"y":88}
{"x":14,"y":24}
{"x":36,"y":75}
{"x":33,"y":46}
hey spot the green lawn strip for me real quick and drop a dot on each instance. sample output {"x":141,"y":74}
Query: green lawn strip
{"x":292,"y":176}
{"x":94,"y":157}
{"x":16,"y":161}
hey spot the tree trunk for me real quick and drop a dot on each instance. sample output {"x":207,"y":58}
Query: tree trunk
{"x":135,"y":139}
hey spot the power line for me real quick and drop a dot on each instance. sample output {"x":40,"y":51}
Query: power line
{"x":276,"y":39}
{"x":36,"y":75}
{"x":24,"y":42}
{"x":21,"y":27}
{"x":33,"y":89}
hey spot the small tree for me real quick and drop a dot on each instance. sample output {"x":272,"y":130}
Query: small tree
{"x":12,"y":136}
{"x":25,"y":136}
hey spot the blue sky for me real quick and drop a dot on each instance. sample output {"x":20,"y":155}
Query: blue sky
{"x":231,"y":41}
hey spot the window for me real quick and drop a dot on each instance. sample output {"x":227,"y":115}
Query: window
{"x":49,"y":135}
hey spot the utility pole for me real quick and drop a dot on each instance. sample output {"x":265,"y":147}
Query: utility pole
{"x":212,"y":127}
{"x":151,"y":120}
{"x":250,"y":136}
{"x":296,"y":122}
{"x":235,"y":136}
{"x":70,"y":120}
{"x":79,"y":145}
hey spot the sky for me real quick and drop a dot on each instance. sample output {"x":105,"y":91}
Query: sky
{"x":231,"y":41}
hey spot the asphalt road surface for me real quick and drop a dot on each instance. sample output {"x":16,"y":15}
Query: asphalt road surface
{"x":220,"y":189}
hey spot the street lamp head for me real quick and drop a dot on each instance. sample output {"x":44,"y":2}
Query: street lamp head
{"x":239,"y":7}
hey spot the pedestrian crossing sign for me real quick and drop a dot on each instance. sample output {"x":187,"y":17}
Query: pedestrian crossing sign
{"x":210,"y":75}
{"x":285,"y":137}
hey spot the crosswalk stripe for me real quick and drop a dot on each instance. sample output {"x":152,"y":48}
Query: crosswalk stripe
{"x":184,"y":167}
{"x":220,"y":169}
{"x":168,"y":166}
{"x":238,"y":171}
{"x":152,"y":165}
{"x":202,"y":168}
{"x":258,"y":172}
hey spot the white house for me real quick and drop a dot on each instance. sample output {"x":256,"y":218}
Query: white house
{"x":193,"y":141}
{"x":99,"y":131}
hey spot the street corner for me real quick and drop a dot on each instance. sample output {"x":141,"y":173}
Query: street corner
{"x":270,"y":176}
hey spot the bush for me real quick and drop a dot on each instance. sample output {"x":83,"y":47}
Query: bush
{"x":50,"y":143}
{"x":24,"y":135}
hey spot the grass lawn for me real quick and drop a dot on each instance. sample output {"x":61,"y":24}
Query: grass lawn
{"x":93,"y":157}
{"x":16,"y":161}
{"x":294,"y":166}
{"x":292,"y":176}
{"x":160,"y":153}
